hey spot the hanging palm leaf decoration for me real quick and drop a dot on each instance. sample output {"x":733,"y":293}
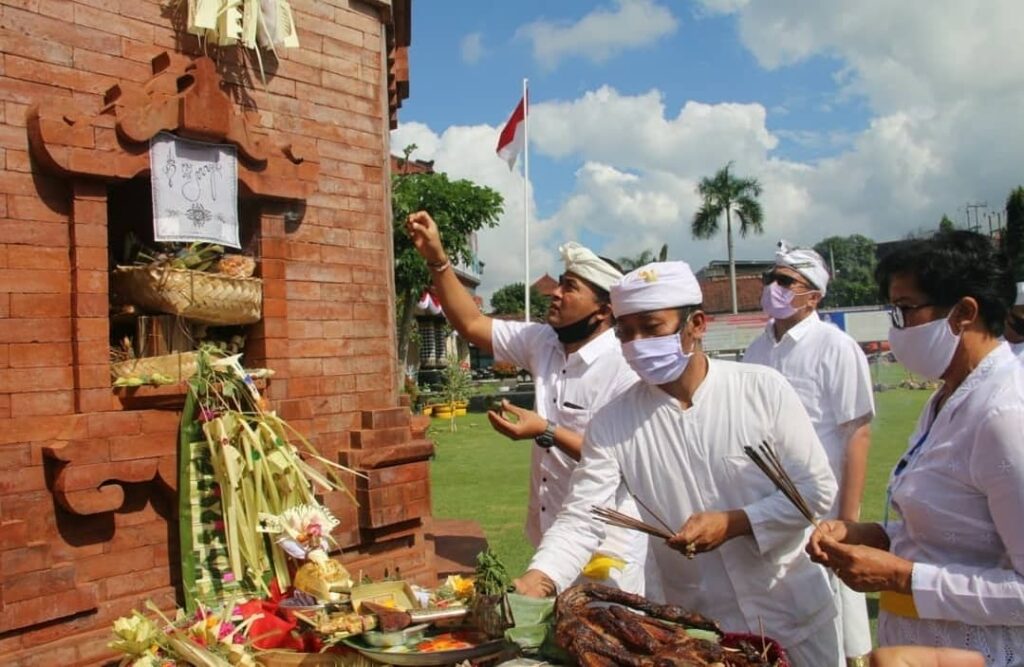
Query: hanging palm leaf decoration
{"x":253,"y":24}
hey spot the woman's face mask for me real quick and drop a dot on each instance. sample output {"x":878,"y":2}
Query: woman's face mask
{"x":926,"y":349}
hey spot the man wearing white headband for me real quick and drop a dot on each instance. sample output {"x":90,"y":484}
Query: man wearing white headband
{"x":830,"y":373}
{"x":577,"y":367}
{"x":676,"y":440}
{"x":1014,"y":330}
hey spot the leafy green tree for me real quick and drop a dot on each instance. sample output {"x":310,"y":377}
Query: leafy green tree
{"x":946,"y":225}
{"x":725,"y":193}
{"x":508,"y":300}
{"x":853,"y":269}
{"x":459,"y":208}
{"x":645,"y":257}
{"x":1013,"y":237}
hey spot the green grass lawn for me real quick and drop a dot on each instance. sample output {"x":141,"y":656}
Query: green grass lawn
{"x":481,"y":475}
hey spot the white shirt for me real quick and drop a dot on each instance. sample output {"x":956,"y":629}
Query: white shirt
{"x":679,"y":462}
{"x":568,"y":391}
{"x":1017,"y":348}
{"x":961,"y":499}
{"x":830,"y":374}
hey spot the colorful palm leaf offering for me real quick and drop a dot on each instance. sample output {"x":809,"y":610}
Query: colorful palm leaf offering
{"x":242,"y":476}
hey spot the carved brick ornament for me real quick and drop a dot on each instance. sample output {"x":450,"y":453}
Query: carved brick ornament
{"x":184,"y":97}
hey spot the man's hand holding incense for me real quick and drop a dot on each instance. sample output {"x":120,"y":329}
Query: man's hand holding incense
{"x":706,"y":531}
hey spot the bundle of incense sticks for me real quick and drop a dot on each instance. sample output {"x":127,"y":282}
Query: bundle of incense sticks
{"x":768,"y":461}
{"x":614,"y":518}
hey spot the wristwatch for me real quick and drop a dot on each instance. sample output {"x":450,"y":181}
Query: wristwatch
{"x":547,"y":438}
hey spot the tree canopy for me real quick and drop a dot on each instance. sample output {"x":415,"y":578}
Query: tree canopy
{"x":645,"y":257}
{"x":1013,"y":237}
{"x":458,"y":207}
{"x":508,"y":300}
{"x":853,"y":279}
{"x":728,"y":194}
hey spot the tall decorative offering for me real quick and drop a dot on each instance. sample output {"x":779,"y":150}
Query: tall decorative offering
{"x":241,"y":480}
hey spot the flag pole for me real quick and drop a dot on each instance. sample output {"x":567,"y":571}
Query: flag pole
{"x":526,"y":198}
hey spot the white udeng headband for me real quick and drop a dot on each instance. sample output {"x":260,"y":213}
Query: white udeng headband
{"x":804,"y":261}
{"x":656,"y":286}
{"x":582,"y":262}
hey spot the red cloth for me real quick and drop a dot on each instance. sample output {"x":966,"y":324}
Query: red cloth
{"x":513,"y":136}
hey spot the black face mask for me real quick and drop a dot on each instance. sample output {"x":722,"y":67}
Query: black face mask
{"x":579,"y":330}
{"x":1016,"y":323}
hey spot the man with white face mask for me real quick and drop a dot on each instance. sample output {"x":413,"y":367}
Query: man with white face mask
{"x":577,"y":367}
{"x":676,"y":441}
{"x":830,"y":373}
{"x":1014,"y":329}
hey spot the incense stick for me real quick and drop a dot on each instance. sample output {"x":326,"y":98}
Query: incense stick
{"x":768,"y":461}
{"x":620,"y":520}
{"x":644,"y":505}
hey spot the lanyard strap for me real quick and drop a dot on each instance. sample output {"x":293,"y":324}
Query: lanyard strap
{"x":901,"y":465}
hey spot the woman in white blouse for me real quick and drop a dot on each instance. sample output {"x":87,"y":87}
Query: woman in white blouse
{"x":949,"y":560}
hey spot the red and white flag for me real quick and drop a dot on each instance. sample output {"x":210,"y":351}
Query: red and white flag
{"x":513,"y":135}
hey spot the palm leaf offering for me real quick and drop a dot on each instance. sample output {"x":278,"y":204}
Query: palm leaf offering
{"x":253,"y":24}
{"x":248,"y":494}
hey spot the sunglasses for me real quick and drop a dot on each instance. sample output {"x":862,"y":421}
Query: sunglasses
{"x":769,"y":277}
{"x":898,"y":314}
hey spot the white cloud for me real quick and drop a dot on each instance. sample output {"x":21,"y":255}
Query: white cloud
{"x":944,"y":130}
{"x":472,"y":48}
{"x":601,"y":34}
{"x":900,"y":55}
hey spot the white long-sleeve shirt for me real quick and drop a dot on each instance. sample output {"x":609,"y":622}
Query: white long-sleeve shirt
{"x":961,"y":499}
{"x":679,"y":462}
{"x":830,"y":374}
{"x":569,"y":390}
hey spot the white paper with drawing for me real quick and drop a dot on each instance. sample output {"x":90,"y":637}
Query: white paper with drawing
{"x":195,"y":190}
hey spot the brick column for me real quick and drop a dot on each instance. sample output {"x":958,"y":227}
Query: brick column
{"x":90,"y":324}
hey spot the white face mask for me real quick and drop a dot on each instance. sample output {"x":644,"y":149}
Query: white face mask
{"x":777,"y":301}
{"x":926,"y":349}
{"x":658,"y":360}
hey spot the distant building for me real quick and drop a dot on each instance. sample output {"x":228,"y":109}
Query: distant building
{"x":545,"y":285}
{"x":714,"y":283}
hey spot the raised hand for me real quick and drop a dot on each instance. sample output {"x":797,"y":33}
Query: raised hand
{"x":425,"y":237}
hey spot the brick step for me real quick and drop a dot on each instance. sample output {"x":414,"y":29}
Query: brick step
{"x":386,"y":418}
{"x":381,"y":437}
{"x":456,"y":545}
{"x":369,"y":459}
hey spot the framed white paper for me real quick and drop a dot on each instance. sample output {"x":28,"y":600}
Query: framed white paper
{"x":195,"y":190}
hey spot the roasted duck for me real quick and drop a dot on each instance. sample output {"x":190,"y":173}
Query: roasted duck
{"x":614,"y":633}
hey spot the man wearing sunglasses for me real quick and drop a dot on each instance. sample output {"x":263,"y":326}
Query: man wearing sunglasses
{"x":1014,"y":331}
{"x":830,"y":374}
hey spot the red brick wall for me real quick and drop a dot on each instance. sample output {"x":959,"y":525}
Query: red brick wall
{"x":718,"y":295}
{"x":67,"y":571}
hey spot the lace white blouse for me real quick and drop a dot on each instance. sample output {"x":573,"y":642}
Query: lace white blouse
{"x":960,"y":496}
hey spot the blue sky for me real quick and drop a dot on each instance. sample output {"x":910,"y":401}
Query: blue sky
{"x":847,"y":112}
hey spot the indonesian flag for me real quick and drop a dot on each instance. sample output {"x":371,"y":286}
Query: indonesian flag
{"x":513,"y":135}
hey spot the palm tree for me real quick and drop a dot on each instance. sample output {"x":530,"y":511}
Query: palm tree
{"x":725,"y":193}
{"x":646,"y":257}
